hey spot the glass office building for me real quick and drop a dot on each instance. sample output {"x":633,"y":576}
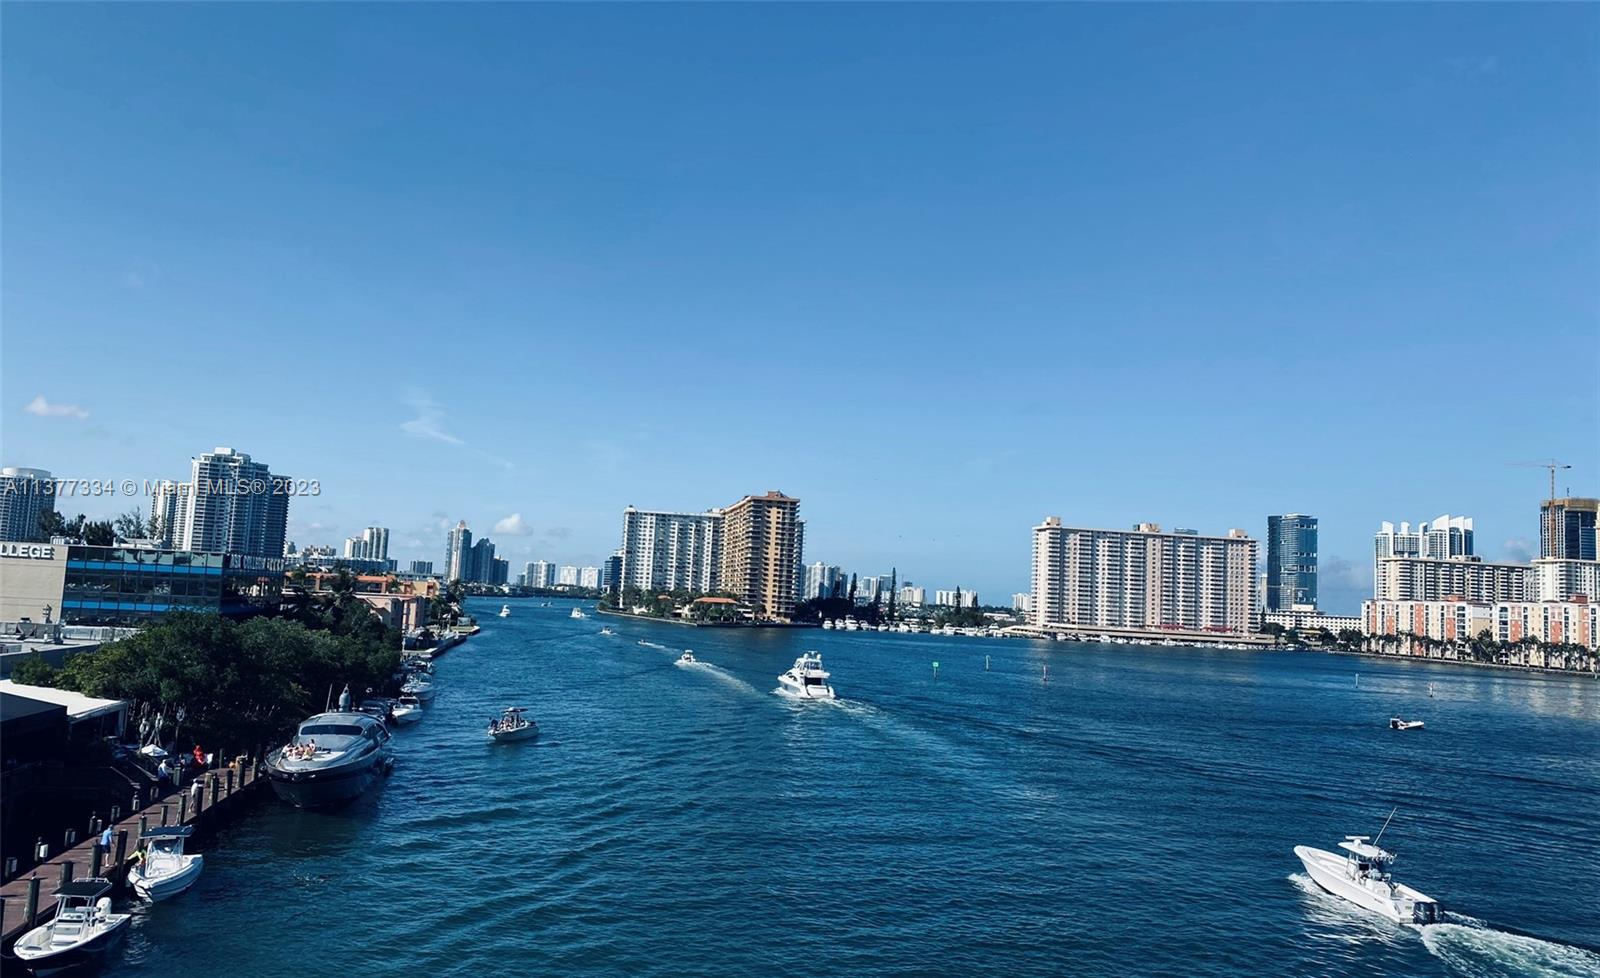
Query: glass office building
{"x":123,"y":585}
{"x":1291,"y":561}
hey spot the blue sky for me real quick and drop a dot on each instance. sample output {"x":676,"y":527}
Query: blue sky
{"x":940,"y":271}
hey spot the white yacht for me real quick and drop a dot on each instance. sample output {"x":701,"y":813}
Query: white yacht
{"x":406,"y":709}
{"x":333,"y":758}
{"x":1361,"y":876}
{"x":166,"y":870}
{"x":505,"y":611}
{"x":1396,"y":723}
{"x":807,"y":679}
{"x":687,"y":658}
{"x":79,"y":934}
{"x":513,"y":725}
{"x":419,"y":686}
{"x":577,"y":613}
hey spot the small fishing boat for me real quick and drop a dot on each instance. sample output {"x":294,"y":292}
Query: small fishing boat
{"x":166,"y":870}
{"x":687,"y":658}
{"x":606,"y":630}
{"x":79,"y":934}
{"x":806,"y":679}
{"x":1361,"y":876}
{"x":1396,"y":723}
{"x":577,"y":613}
{"x":420,"y":686}
{"x":505,"y":611}
{"x":513,"y":724}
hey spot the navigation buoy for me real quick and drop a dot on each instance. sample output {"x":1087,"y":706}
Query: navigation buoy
{"x":936,"y":670}
{"x":1046,"y":674}
{"x":985,"y":663}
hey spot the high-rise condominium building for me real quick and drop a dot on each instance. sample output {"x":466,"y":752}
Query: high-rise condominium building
{"x":761,"y":552}
{"x":25,"y":496}
{"x":955,"y":597}
{"x":589,"y":577}
{"x":912,"y":596}
{"x":1291,"y":561}
{"x":671,"y":551}
{"x":422,"y":568}
{"x":1567,"y":528}
{"x":1444,"y":538}
{"x":481,"y":567}
{"x":1142,"y":578}
{"x":372,"y":544}
{"x":458,"y":553}
{"x":540,"y":573}
{"x":1022,"y":601}
{"x":820,"y":579}
{"x":567,"y":574}
{"x":1434,"y":579}
{"x":233,"y":504}
{"x":168,"y":507}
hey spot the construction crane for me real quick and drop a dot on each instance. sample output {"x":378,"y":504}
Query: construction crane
{"x":1551,"y":464}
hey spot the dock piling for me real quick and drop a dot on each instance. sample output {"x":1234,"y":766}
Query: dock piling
{"x":30,"y":909}
{"x":66,"y":872}
{"x":96,"y":859}
{"x":216,"y":785}
{"x":230,"y":780}
{"x":144,"y":825}
{"x":122,"y":846}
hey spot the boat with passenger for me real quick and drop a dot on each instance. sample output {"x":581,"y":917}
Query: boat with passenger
{"x":1396,"y":723}
{"x":163,"y":869}
{"x":333,"y":758}
{"x":1362,"y":877}
{"x":806,"y":679}
{"x":577,"y":613}
{"x":513,"y":724}
{"x":505,"y":611}
{"x":79,"y":934}
{"x":687,"y":658}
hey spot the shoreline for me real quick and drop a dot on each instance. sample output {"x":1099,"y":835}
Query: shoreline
{"x":697,"y":624}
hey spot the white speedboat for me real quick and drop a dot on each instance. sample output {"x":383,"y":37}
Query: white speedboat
{"x":1361,"y":876}
{"x":165,"y":870}
{"x":333,"y":758}
{"x":406,"y":709}
{"x":687,"y":658}
{"x":607,"y":630}
{"x":577,"y":613}
{"x":1395,"y":723}
{"x":79,"y":934}
{"x":505,"y":611}
{"x":513,"y":724}
{"x":827,"y":623}
{"x":807,"y":679}
{"x":419,"y":686}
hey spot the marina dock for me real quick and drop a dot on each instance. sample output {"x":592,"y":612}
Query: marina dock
{"x":29,"y":900}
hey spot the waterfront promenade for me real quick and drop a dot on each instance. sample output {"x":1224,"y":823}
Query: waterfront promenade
{"x":224,"y":794}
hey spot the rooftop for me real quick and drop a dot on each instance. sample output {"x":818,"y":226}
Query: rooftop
{"x":79,"y":706}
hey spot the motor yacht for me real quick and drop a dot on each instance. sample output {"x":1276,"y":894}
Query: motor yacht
{"x":577,"y":613}
{"x":827,"y":623}
{"x":1395,"y":723}
{"x":333,"y":758}
{"x":505,"y":611}
{"x":166,"y":870}
{"x":807,"y":679}
{"x":687,"y":658}
{"x":1361,"y":876}
{"x":420,"y":685}
{"x":79,"y":934}
{"x":513,"y":724}
{"x":406,"y":709}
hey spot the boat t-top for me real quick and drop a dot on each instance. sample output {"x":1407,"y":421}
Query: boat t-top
{"x":687,"y":658}
{"x":505,"y":611}
{"x":807,"y":679}
{"x":577,"y":613}
{"x":513,"y":724}
{"x":165,"y":870}
{"x":1396,"y":723}
{"x":79,"y":934}
{"x":1361,"y":876}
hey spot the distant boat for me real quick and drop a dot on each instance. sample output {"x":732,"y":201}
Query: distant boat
{"x":806,"y":679}
{"x":606,"y":630}
{"x":513,"y":725}
{"x":577,"y":613}
{"x":687,"y":658}
{"x":1395,"y":723}
{"x":505,"y":611}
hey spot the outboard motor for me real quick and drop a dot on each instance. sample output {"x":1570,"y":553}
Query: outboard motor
{"x":1425,"y":913}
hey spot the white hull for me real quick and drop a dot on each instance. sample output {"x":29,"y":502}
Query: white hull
{"x":1395,"y":901}
{"x":166,"y":880}
{"x":404,"y":716}
{"x":522,"y":733}
{"x":791,"y":686}
{"x":421,"y":692}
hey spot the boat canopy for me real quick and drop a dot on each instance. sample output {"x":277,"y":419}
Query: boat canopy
{"x":88,"y":888}
{"x":1357,"y":845}
{"x":169,"y":832}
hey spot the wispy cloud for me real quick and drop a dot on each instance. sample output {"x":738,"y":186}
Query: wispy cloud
{"x":45,"y":409}
{"x":1518,"y":550}
{"x":429,"y":421}
{"x":513,"y":526}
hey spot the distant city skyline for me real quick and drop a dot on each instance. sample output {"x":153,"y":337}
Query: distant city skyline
{"x":1068,"y":297}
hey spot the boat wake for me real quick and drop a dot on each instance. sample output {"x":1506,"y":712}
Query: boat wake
{"x":721,"y":675}
{"x":652,"y":645}
{"x":1467,"y":946}
{"x":1475,"y":950}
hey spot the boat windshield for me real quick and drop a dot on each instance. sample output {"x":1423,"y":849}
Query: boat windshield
{"x":326,"y":729}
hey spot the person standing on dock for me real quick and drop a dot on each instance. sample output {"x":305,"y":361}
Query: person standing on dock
{"x":105,"y":844}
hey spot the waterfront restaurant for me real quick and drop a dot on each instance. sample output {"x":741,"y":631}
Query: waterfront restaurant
{"x":122,"y":585}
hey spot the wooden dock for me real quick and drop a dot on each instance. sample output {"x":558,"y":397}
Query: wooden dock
{"x":224,"y":793}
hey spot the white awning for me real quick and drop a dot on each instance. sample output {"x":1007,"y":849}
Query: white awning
{"x":79,"y":706}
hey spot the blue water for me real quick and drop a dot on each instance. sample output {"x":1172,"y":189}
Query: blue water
{"x":1133,"y":816}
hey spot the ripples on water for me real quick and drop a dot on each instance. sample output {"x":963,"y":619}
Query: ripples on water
{"x":1135,"y":815}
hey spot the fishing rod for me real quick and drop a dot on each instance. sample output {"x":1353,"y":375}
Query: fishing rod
{"x":1385,"y":824}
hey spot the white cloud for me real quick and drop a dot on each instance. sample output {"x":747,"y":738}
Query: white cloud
{"x":429,"y":422}
{"x":1518,"y":550}
{"x":513,"y":526}
{"x":45,"y":409}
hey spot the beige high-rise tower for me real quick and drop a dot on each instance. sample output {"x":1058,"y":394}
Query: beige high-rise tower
{"x":760,"y":551}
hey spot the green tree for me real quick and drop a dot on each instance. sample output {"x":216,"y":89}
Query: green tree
{"x":131,"y":525}
{"x":34,"y":672}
